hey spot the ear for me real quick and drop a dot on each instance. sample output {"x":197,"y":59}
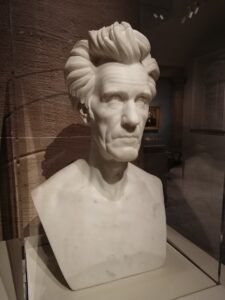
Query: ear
{"x":86,"y":113}
{"x":83,"y":112}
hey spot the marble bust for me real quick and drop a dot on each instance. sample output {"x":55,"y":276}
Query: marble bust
{"x":105,"y":217}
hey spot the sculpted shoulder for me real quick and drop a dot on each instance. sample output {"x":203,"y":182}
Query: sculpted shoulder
{"x":151,"y":182}
{"x":73,"y":176}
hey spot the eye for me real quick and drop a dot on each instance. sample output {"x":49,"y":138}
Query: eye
{"x":143,"y":100}
{"x":114,"y":97}
{"x":113,"y":100}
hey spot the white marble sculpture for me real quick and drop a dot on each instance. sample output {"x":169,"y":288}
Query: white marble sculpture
{"x":105,"y":217}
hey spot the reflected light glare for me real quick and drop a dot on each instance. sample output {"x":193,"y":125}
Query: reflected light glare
{"x":190,"y":14}
{"x":196,"y":10}
{"x":183,"y":20}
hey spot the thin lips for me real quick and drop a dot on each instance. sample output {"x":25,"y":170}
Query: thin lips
{"x":127,"y":137}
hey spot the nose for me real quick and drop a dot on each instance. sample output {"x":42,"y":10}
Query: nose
{"x":130,"y":117}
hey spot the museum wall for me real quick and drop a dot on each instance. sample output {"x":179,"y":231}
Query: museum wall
{"x":45,"y":134}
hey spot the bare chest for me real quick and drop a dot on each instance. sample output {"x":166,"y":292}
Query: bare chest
{"x":96,"y":240}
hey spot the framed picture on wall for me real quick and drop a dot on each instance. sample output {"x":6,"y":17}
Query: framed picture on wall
{"x":152,"y":123}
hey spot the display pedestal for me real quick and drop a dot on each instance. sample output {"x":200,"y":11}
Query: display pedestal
{"x":176,"y":279}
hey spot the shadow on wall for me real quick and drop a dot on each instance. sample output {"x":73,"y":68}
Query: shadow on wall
{"x":72,"y":143}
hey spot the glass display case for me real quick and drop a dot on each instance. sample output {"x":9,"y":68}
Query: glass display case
{"x":41,"y":134}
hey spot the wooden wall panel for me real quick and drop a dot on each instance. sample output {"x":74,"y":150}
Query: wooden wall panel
{"x":41,"y":122}
{"x":45,"y":31}
{"x":64,"y":138}
{"x":45,"y":118}
{"x":39,"y":86}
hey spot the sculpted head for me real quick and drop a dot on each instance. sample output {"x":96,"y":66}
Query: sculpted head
{"x":111,"y":80}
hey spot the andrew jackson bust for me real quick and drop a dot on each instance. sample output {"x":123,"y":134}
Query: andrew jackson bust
{"x":105,"y":217}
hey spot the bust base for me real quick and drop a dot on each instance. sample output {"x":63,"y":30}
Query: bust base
{"x":178,"y":277}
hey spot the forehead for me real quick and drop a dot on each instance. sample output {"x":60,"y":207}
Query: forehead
{"x":117,"y":76}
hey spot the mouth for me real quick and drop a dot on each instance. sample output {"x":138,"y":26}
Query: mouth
{"x":127,"y":136}
{"x":128,"y":140}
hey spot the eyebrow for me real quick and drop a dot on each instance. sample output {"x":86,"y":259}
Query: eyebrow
{"x":144,"y":94}
{"x":123,"y":94}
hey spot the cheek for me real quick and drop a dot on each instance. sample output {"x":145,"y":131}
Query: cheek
{"x":101,"y":128}
{"x":144,"y":116}
{"x":107,"y":119}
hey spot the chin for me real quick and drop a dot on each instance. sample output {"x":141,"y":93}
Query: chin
{"x":125,"y":154}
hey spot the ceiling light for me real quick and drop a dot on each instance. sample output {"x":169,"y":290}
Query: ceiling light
{"x":190,"y":14}
{"x":196,"y":10}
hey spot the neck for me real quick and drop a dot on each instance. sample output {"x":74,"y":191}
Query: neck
{"x":108,"y":176}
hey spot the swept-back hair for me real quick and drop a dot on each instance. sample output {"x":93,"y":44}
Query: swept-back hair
{"x":116,"y":43}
